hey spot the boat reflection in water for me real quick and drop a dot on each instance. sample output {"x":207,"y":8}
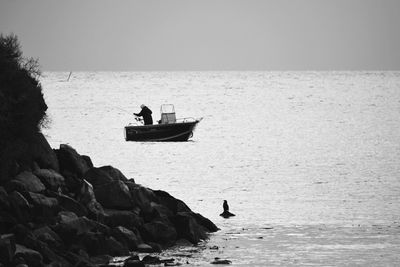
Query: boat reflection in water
{"x":168,"y":128}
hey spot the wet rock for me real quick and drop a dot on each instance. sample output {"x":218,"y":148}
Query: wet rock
{"x":71,"y":161}
{"x":145,"y":248}
{"x":30,"y":256}
{"x":133,"y":262}
{"x":148,"y":259}
{"x":160,"y":232}
{"x":226,"y":214}
{"x":114,"y":195}
{"x":220,"y":261}
{"x":188,"y":228}
{"x":30,"y":182}
{"x":50,"y":178}
{"x":70,"y":229}
{"x":99,"y":244}
{"x":126,"y":237}
{"x":203,"y":221}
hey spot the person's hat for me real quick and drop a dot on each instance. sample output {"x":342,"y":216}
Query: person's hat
{"x":142,"y":106}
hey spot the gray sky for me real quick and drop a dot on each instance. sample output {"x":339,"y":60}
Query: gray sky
{"x":207,"y":34}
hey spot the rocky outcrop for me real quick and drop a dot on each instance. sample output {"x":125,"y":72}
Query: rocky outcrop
{"x":57,"y":209}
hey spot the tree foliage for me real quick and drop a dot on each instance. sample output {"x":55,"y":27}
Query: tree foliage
{"x":22,"y":106}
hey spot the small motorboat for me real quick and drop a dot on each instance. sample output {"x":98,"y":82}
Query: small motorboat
{"x":169,"y":128}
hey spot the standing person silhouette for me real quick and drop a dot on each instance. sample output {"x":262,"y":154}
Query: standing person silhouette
{"x":146,"y":114}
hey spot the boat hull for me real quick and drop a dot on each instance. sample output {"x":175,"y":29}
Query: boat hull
{"x":161,"y":132}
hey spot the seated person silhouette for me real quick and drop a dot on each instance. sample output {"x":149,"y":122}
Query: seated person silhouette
{"x":226,"y":213}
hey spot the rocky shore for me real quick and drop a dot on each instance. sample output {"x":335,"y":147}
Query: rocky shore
{"x":57,"y":209}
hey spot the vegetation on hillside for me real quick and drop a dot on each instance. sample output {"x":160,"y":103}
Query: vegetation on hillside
{"x":22,"y":106}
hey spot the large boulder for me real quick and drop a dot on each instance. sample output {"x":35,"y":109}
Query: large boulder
{"x":100,"y":244}
{"x":175,"y":205}
{"x":114,"y":195}
{"x":97,"y":177}
{"x":50,"y":178}
{"x":71,"y":161}
{"x":159,"y":231}
{"x":44,"y":206}
{"x":188,"y":228}
{"x":70,"y":204}
{"x":48,"y":236}
{"x":125,"y":218}
{"x":126,"y":237}
{"x":42,"y":153}
{"x":114,"y":173}
{"x":142,"y":197}
{"x":31,"y":257}
{"x":30,"y":182}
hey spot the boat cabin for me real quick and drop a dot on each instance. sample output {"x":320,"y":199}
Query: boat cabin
{"x":167,"y":114}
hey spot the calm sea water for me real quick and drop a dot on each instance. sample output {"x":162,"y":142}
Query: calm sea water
{"x":308,"y":161}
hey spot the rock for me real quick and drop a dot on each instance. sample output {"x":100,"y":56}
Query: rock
{"x":20,"y":206}
{"x":44,"y":206}
{"x":160,"y":211}
{"x":114,"y":173}
{"x":219,"y":261}
{"x":43,"y":154}
{"x":203,"y":221}
{"x":142,"y":197}
{"x":101,"y":260}
{"x":133,"y":262}
{"x":31,"y":257}
{"x":70,"y":229}
{"x":70,"y":204}
{"x":97,"y":177}
{"x":88,"y":160}
{"x":125,"y":237}
{"x":66,"y":216}
{"x":30,"y":182}
{"x":148,"y":259}
{"x":226,"y":214}
{"x":71,"y":161}
{"x":51,"y":179}
{"x":99,"y":244}
{"x":188,"y":228}
{"x":175,"y":205}
{"x":48,"y":236}
{"x":15,"y":185}
{"x":127,"y":219}
{"x":160,"y":232}
{"x":7,"y":248}
{"x":114,"y":195}
{"x":144,"y":248}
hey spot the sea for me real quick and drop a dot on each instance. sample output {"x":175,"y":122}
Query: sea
{"x":309,"y":162}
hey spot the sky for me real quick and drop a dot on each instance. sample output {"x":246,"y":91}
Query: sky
{"x":171,"y":35}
